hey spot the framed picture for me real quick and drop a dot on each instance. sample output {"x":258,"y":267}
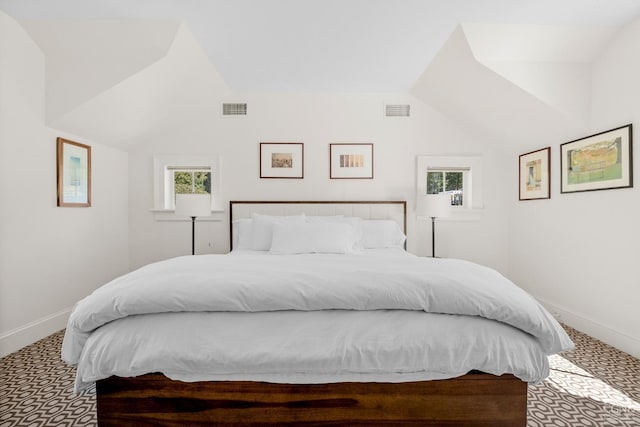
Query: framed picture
{"x":602,"y":161}
{"x":282,"y":160}
{"x":535,"y":175}
{"x":73,"y":173}
{"x":351,"y":161}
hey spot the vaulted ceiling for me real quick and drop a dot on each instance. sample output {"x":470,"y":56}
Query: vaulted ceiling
{"x":140,"y":61}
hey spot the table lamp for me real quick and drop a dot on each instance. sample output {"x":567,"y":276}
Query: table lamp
{"x":193,"y":205}
{"x":433,"y":206}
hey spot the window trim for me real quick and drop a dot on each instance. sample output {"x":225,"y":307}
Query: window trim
{"x":472,"y":184}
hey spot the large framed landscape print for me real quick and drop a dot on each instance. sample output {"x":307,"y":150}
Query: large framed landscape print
{"x":598,"y":162}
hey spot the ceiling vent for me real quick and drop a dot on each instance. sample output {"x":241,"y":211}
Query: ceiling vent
{"x":397,"y":110}
{"x":234,"y":109}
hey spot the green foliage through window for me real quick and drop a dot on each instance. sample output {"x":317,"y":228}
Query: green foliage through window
{"x":446,"y":182}
{"x":188,"y":182}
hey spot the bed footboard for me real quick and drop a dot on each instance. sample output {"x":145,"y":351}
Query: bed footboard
{"x":470,"y":400}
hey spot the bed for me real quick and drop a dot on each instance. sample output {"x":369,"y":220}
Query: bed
{"x":317,"y":316}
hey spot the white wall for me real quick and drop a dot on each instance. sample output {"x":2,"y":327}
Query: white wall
{"x":579,"y":252}
{"x":317,"y":120}
{"x":50,"y":257}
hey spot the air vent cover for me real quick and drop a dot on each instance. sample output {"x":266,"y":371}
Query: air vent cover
{"x":234,"y":109}
{"x":397,"y":110}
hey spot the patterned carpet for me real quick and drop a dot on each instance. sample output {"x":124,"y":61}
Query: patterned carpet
{"x":595,"y":385}
{"x":36,"y":389}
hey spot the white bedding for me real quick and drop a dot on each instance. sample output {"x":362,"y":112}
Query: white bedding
{"x":311,"y":318}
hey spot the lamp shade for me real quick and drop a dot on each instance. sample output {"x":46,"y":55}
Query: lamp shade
{"x":193,"y":205}
{"x":434,"y":205}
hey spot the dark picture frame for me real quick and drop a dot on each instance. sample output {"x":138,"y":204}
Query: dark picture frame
{"x":282,"y":160}
{"x":535,"y":175}
{"x":73,"y":173}
{"x":351,"y":161}
{"x":603,"y":161}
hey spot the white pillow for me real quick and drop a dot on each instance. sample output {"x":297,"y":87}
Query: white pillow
{"x":241,"y":238}
{"x":314,"y":237}
{"x":262,"y":228}
{"x":323,"y":218}
{"x":353,"y":221}
{"x":382,"y":233}
{"x":356,"y":223}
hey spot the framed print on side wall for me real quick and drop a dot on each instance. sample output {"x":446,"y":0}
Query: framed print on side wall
{"x":535,"y":175}
{"x":282,"y":160}
{"x":351,"y":161}
{"x":602,"y":161}
{"x":73,"y":173}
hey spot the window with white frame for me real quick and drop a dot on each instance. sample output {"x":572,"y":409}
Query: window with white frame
{"x":458,"y":176}
{"x":183,"y":174}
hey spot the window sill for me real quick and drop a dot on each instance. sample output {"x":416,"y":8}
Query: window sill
{"x":169,"y":215}
{"x":460,"y":215}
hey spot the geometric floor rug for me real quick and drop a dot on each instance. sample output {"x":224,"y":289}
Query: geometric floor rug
{"x":594,"y":385}
{"x":36,"y":388}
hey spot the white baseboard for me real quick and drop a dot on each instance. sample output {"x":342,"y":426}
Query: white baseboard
{"x":610,"y":336}
{"x":22,"y":336}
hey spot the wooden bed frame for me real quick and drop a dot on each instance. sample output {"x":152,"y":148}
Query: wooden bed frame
{"x":475,"y":399}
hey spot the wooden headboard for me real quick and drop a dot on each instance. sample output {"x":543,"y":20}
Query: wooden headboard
{"x":395,"y":210}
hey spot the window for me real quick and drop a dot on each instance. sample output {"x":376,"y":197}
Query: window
{"x":447,"y":181}
{"x":180,"y":174}
{"x":458,"y":176}
{"x":188,"y":180}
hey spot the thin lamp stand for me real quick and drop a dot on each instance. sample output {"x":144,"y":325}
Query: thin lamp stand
{"x":433,"y":206}
{"x":192,"y":206}
{"x":433,"y":237}
{"x":193,"y":235}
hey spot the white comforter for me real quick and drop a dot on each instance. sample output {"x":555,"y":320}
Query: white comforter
{"x":310,"y":318}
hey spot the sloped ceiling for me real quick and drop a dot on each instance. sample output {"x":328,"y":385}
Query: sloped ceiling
{"x":87,"y":57}
{"x":523,"y":83}
{"x":146,"y":63}
{"x":116,"y":81}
